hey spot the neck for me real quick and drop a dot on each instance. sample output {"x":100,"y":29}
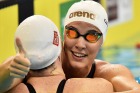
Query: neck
{"x":52,"y":70}
{"x":72,"y":72}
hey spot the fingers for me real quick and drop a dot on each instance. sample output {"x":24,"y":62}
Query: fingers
{"x":22,"y":61}
{"x":16,"y":73}
{"x":20,"y":47}
{"x":19,"y":67}
{"x":24,"y":68}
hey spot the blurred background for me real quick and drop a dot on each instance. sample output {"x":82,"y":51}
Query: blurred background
{"x":122,"y":44}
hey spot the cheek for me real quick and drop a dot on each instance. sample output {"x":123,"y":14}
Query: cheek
{"x":69,"y":43}
{"x":93,"y":50}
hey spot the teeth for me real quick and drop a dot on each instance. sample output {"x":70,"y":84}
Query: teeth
{"x":78,"y":55}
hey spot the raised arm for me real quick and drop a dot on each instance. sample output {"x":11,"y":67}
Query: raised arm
{"x":14,"y":69}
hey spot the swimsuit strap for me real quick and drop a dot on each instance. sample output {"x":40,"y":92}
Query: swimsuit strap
{"x":30,"y":88}
{"x":61,"y":86}
{"x":92,"y":71}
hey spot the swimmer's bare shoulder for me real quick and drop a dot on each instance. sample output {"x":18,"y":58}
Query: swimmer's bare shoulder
{"x":88,"y":85}
{"x":21,"y":88}
{"x":105,"y":69}
{"x":118,"y":75}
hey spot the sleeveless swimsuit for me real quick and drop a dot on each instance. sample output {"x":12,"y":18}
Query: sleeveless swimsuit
{"x":59,"y":89}
{"x":92,"y":71}
{"x":62,"y":83}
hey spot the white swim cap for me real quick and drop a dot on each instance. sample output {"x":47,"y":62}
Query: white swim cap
{"x":40,"y":39}
{"x":90,"y":12}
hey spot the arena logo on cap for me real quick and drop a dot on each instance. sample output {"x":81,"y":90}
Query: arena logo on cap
{"x":56,"y":39}
{"x":106,"y":22}
{"x":82,"y":14}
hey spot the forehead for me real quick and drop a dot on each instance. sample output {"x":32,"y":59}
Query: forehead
{"x":83,"y":26}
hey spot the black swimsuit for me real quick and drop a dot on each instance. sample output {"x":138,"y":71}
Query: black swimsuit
{"x":92,"y":71}
{"x":59,"y":89}
{"x":62,"y":83}
{"x":30,"y":88}
{"x":61,"y":86}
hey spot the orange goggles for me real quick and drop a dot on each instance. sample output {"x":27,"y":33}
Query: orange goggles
{"x":91,"y":36}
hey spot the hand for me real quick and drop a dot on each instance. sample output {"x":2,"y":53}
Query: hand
{"x":20,"y":65}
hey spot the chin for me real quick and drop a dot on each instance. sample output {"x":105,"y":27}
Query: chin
{"x":78,"y":65}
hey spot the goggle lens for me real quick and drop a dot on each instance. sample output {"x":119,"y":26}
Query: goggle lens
{"x":91,"y":38}
{"x":72,"y":34}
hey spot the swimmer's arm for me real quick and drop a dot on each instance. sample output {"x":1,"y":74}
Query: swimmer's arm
{"x":122,"y":79}
{"x":21,"y":88}
{"x":88,"y":85}
{"x":14,"y":69}
{"x":6,"y":81}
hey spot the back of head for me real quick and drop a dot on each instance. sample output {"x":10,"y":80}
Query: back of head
{"x":90,"y":12}
{"x":40,"y":39}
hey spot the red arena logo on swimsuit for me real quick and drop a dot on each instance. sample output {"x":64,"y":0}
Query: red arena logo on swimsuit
{"x":56,"y":39}
{"x":82,"y":14}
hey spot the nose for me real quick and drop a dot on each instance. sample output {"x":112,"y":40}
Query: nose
{"x":80,"y":44}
